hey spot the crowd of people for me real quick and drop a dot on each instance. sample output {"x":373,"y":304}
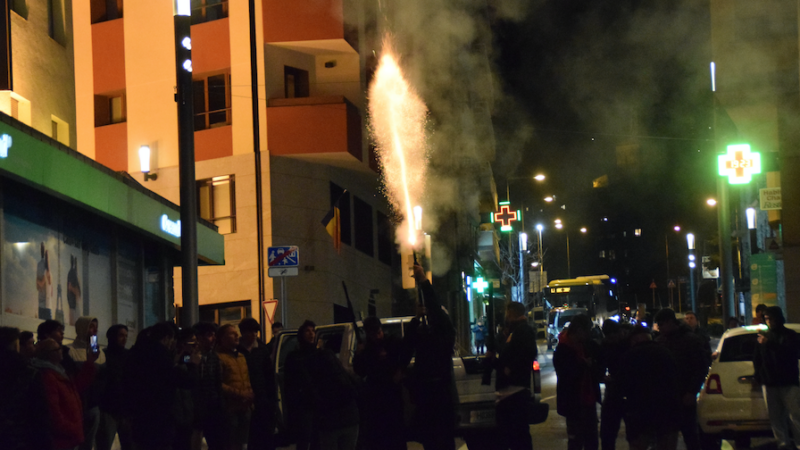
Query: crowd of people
{"x":174,"y":388}
{"x":170,"y":390}
{"x":652,"y":379}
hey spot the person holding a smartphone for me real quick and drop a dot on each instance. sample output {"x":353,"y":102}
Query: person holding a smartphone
{"x":86,"y":343}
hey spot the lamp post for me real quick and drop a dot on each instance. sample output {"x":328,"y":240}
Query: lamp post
{"x":559,"y":225}
{"x":692,"y":264}
{"x":190,"y":313}
{"x":539,"y":228}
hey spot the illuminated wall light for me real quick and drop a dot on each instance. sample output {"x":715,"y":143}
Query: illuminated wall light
{"x":170,"y":227}
{"x":523,"y":241}
{"x":187,"y":65}
{"x":691,"y":257}
{"x":690,"y":241}
{"x":751,"y":218}
{"x":5,"y":144}
{"x":144,"y":159}
{"x":692,"y":265}
{"x":183,"y":8}
{"x":713,"y":77}
{"x":187,"y":43}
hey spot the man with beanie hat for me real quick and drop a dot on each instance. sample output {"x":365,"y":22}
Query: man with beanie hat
{"x":775,"y":364}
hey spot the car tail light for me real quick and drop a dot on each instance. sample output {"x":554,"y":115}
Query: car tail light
{"x":536,"y":366}
{"x":713,"y":384}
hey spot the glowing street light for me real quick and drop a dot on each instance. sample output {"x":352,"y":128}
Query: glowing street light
{"x":711,"y":202}
{"x":677,"y":228}
{"x":583,"y":230}
{"x":549,"y":198}
{"x":539,"y":177}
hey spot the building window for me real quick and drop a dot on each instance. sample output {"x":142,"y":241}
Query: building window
{"x":55,"y":21}
{"x":225,"y":313}
{"x":212,"y":101}
{"x":385,"y":238}
{"x":340,"y":196}
{"x":105,"y":10}
{"x":217,"y":202}
{"x":208,"y":10}
{"x":109,"y":109}
{"x":20,"y":7}
{"x":362,"y":212}
{"x":59,"y":130}
{"x":295,"y":82}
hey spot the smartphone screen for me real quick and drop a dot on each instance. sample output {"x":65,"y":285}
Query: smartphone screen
{"x":186,"y":359}
{"x":93,"y":343}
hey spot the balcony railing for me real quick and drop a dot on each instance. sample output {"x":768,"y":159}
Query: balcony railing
{"x":212,"y":119}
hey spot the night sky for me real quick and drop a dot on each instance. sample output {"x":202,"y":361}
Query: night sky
{"x":581,"y":78}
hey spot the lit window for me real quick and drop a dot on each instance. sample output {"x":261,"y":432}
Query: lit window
{"x":637,"y":232}
{"x":208,"y":10}
{"x":217,"y":202}
{"x":212,"y":101}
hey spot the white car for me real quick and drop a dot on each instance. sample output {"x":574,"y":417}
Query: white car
{"x":729,"y":406}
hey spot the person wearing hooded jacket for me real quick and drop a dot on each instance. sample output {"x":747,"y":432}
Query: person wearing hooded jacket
{"x":578,"y":373}
{"x":63,"y":394}
{"x":85,"y":328}
{"x":775,"y":363}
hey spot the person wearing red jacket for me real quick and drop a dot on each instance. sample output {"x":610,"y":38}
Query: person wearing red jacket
{"x":63,"y":393}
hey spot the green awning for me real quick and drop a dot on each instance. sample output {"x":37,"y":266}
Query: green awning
{"x":49,"y":166}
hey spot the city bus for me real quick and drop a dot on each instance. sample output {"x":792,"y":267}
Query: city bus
{"x":595,"y":293}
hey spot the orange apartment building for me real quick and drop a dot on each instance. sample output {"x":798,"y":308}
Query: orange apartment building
{"x":312,"y":60}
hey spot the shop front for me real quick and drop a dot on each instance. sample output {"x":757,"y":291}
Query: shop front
{"x":79,"y":239}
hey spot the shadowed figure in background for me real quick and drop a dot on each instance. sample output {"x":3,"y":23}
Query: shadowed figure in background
{"x":380,"y":362}
{"x":775,"y":363}
{"x":578,"y":373}
{"x":431,"y":380}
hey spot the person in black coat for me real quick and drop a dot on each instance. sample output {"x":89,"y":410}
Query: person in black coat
{"x":23,"y":403}
{"x":613,"y":347}
{"x":692,"y":358}
{"x":578,"y":372}
{"x":516,"y":353}
{"x":432,"y":385}
{"x":379,"y":361}
{"x":153,"y":380}
{"x":112,"y":397}
{"x":775,"y":364}
{"x":653,"y":401}
{"x":262,"y":381}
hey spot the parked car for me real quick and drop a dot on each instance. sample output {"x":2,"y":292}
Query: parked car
{"x":729,"y":405}
{"x":559,"y":318}
{"x":476,"y":408}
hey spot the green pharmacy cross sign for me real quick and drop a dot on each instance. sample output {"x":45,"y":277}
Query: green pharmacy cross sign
{"x":480,"y":285}
{"x":739,"y":164}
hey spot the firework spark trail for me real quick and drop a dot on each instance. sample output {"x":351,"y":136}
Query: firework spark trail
{"x":397,"y":121}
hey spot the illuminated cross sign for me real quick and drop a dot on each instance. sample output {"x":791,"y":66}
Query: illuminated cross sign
{"x":505,"y":216}
{"x":739,"y":164}
{"x":480,"y":284}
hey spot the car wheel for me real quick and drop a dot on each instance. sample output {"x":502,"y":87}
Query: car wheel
{"x":710,"y":441}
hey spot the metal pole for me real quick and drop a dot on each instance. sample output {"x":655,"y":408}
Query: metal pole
{"x":541,"y":269}
{"x":284,"y":306}
{"x":692,"y":293}
{"x":188,"y":186}
{"x":257,"y":155}
{"x":666,"y":244}
{"x":726,"y":275}
{"x":569,"y":267}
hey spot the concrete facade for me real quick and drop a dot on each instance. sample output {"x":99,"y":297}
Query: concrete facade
{"x":296,"y":193}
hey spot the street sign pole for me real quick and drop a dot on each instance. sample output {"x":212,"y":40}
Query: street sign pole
{"x":284,"y":300}
{"x":726,"y":272}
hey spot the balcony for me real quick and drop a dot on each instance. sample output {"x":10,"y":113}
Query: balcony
{"x":324,"y":128}
{"x":317,"y":25}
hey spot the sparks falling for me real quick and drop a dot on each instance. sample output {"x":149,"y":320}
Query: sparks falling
{"x":397,"y":121}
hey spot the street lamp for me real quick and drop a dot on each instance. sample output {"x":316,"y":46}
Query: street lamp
{"x":539,"y":177}
{"x":690,"y":243}
{"x":711,"y":202}
{"x":560,"y":225}
{"x":539,"y":228}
